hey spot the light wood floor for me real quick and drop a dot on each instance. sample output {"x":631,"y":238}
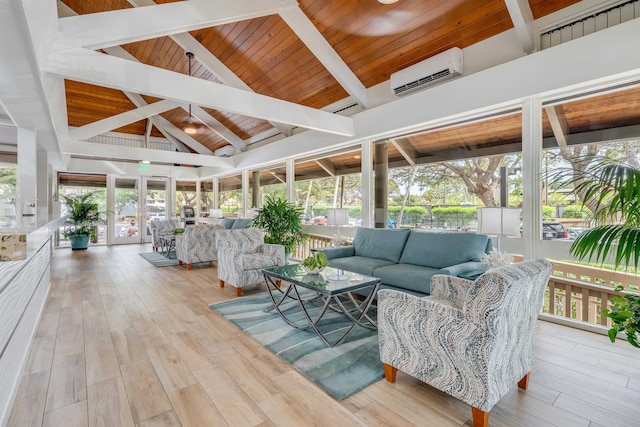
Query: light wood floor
{"x":124,"y":343}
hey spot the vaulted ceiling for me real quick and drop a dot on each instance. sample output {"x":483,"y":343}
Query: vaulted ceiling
{"x":315,"y":53}
{"x":262,"y":71}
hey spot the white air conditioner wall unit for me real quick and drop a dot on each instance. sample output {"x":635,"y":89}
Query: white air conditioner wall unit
{"x":436,"y":69}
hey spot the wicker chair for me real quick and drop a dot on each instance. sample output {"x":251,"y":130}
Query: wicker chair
{"x":471,"y":339}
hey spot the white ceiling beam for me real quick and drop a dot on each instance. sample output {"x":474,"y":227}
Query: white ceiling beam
{"x":280,"y":177}
{"x":203,"y":116}
{"x":222,"y":73}
{"x":217,"y":127}
{"x":147,"y":133}
{"x":161,"y":123}
{"x":115,"y":152}
{"x":406,"y":149}
{"x":105,"y":70}
{"x":522,"y":19}
{"x":122,"y":119}
{"x":171,"y":131}
{"x":118,"y":27}
{"x":320,"y":47}
{"x":328,"y":166}
{"x":189,"y":43}
{"x":127,"y":168}
{"x":559,"y":123}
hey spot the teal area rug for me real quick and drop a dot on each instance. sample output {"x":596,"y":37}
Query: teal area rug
{"x":340,"y":371}
{"x":160,"y":260}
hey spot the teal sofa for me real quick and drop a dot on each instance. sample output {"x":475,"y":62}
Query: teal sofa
{"x":235,"y":223}
{"x":405,"y":260}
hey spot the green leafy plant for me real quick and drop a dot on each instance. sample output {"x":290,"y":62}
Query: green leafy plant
{"x":625,"y":314}
{"x":83,"y":212}
{"x":281,"y":222}
{"x":316,"y":261}
{"x":614,"y":187}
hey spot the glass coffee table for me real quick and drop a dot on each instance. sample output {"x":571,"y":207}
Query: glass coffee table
{"x":332,"y":289}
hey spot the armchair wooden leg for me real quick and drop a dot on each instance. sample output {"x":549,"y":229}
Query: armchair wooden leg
{"x":221,"y":283}
{"x":238,"y":292}
{"x":480,"y":418}
{"x":188,"y":266}
{"x":390,"y":373}
{"x":524,"y":382}
{"x":179,"y":262}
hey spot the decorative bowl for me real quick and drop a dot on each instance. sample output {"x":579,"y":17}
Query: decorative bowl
{"x":314,"y":271}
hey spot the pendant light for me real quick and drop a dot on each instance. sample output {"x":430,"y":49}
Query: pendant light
{"x":190,"y":126}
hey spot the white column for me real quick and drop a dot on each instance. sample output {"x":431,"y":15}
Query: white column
{"x":42,"y":187}
{"x":532,"y":185}
{"x":170,"y":202}
{"x":367,"y":183}
{"x":245,"y":194}
{"x":198,"y":206}
{"x":27,"y":170}
{"x":291,"y":180}
{"x":216,"y":192}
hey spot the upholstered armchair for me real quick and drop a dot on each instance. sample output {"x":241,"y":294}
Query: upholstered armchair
{"x":162,"y":226}
{"x":242,"y":254}
{"x":197,"y":244}
{"x":471,"y":339}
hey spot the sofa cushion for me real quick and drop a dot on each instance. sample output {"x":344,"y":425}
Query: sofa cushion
{"x":358,"y":264}
{"x":242,"y":223}
{"x":439,"y":250}
{"x":407,"y":276}
{"x":228,"y":223}
{"x":380,"y":243}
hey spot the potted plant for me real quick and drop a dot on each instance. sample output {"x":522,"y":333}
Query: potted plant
{"x":282,"y":224}
{"x":614,"y":187}
{"x":83,"y":212}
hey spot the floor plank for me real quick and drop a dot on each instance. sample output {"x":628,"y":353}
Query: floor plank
{"x":139,"y":345}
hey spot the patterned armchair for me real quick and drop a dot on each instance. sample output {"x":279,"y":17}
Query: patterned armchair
{"x":470,"y":339}
{"x":162,"y":226}
{"x":242,"y":254}
{"x":197,"y":244}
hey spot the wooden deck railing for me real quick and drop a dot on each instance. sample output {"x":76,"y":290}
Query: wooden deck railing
{"x":575,"y":292}
{"x":314,"y":241}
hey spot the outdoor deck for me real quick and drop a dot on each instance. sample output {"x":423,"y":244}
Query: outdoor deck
{"x":124,"y":343}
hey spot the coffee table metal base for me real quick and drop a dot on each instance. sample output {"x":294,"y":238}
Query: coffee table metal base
{"x":167,"y":242}
{"x":357,"y":314}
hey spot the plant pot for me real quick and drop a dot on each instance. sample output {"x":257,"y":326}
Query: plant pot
{"x":79,"y":241}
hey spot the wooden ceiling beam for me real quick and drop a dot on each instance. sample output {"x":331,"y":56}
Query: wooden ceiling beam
{"x":326,"y":54}
{"x":118,"y":27}
{"x":559,"y":123}
{"x":105,"y":70}
{"x":119,"y":120}
{"x":405,"y":148}
{"x":522,"y":19}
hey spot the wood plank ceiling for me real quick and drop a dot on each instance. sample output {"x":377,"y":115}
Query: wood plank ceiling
{"x":372,"y":39}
